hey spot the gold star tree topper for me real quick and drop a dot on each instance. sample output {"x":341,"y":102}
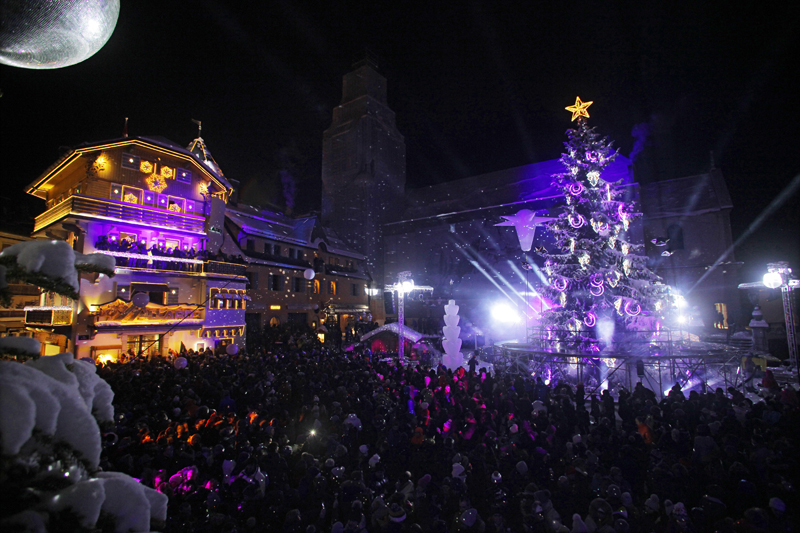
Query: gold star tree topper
{"x":579,"y":109}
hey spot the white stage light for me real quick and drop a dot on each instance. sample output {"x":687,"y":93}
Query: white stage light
{"x":503,"y":312}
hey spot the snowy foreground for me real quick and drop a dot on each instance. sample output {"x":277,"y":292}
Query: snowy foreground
{"x":50,"y":411}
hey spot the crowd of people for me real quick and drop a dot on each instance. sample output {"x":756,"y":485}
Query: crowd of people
{"x":159,"y":255}
{"x":304,"y":439}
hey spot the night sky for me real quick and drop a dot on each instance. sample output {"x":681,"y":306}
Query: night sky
{"x":476,"y":87}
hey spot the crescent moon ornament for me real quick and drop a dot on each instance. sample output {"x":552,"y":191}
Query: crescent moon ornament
{"x":42,"y":34}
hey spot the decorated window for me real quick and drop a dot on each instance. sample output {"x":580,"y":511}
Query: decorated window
{"x":332,"y":288}
{"x":183,"y":175}
{"x":131,"y":195}
{"x":116,"y":192}
{"x":176,"y":204}
{"x":123,"y":292}
{"x":172,"y":296}
{"x":316,"y":286}
{"x":131,"y":161}
{"x":163,"y":201}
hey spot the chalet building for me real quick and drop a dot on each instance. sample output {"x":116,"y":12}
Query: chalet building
{"x":299,"y":272}
{"x":158,"y":208}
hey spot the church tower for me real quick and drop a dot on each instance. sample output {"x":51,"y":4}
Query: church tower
{"x":363,"y":167}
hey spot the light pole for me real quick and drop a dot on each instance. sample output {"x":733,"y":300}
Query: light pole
{"x":404,"y":284}
{"x":779,"y":275}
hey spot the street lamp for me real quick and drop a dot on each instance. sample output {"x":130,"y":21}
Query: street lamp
{"x":404,"y":284}
{"x":779,"y":275}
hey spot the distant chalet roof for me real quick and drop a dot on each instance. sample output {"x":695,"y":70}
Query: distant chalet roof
{"x":516,"y":185}
{"x":691,"y":195}
{"x":304,"y":231}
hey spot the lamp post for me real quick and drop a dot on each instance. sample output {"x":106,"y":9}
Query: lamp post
{"x":404,"y":284}
{"x":779,"y":275}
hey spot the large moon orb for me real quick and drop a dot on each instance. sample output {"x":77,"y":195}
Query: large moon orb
{"x":43,"y":34}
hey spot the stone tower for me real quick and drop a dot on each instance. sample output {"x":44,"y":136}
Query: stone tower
{"x":363,"y":166}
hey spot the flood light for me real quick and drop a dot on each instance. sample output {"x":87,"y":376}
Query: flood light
{"x":503,"y":312}
{"x":773,"y":280}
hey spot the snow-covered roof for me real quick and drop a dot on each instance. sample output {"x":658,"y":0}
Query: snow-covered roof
{"x":692,"y":195}
{"x":271,"y":225}
{"x":155,"y":141}
{"x":304,"y":231}
{"x":499,"y":188}
{"x":394,"y":327}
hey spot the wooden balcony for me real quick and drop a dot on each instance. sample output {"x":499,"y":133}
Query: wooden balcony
{"x":169,"y":264}
{"x":88,"y":207}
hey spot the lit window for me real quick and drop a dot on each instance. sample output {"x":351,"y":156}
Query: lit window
{"x":332,"y":288}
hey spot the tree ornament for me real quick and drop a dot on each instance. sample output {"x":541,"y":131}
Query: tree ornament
{"x":576,"y":221}
{"x":632,"y":308}
{"x":593,"y":177}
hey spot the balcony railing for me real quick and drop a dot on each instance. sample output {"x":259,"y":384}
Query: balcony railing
{"x":111,"y":209}
{"x":49,"y":316}
{"x":166,"y":263}
{"x":218,"y":267}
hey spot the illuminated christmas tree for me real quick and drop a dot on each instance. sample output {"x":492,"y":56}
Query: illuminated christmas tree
{"x":598,"y":280}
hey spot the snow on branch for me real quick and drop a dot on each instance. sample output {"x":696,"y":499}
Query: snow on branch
{"x":51,"y":444}
{"x":51,"y":265}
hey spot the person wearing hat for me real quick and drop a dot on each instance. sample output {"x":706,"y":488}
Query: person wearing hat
{"x":470,"y":521}
{"x":600,"y":515}
{"x":777,"y":516}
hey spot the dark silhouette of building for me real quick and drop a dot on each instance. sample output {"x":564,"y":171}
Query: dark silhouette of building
{"x":363,"y":167}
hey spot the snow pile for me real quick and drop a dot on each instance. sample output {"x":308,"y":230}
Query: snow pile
{"x":59,"y":398}
{"x":20,"y":345}
{"x":53,"y":259}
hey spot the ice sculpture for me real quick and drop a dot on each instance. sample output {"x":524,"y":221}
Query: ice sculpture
{"x":452,"y":358}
